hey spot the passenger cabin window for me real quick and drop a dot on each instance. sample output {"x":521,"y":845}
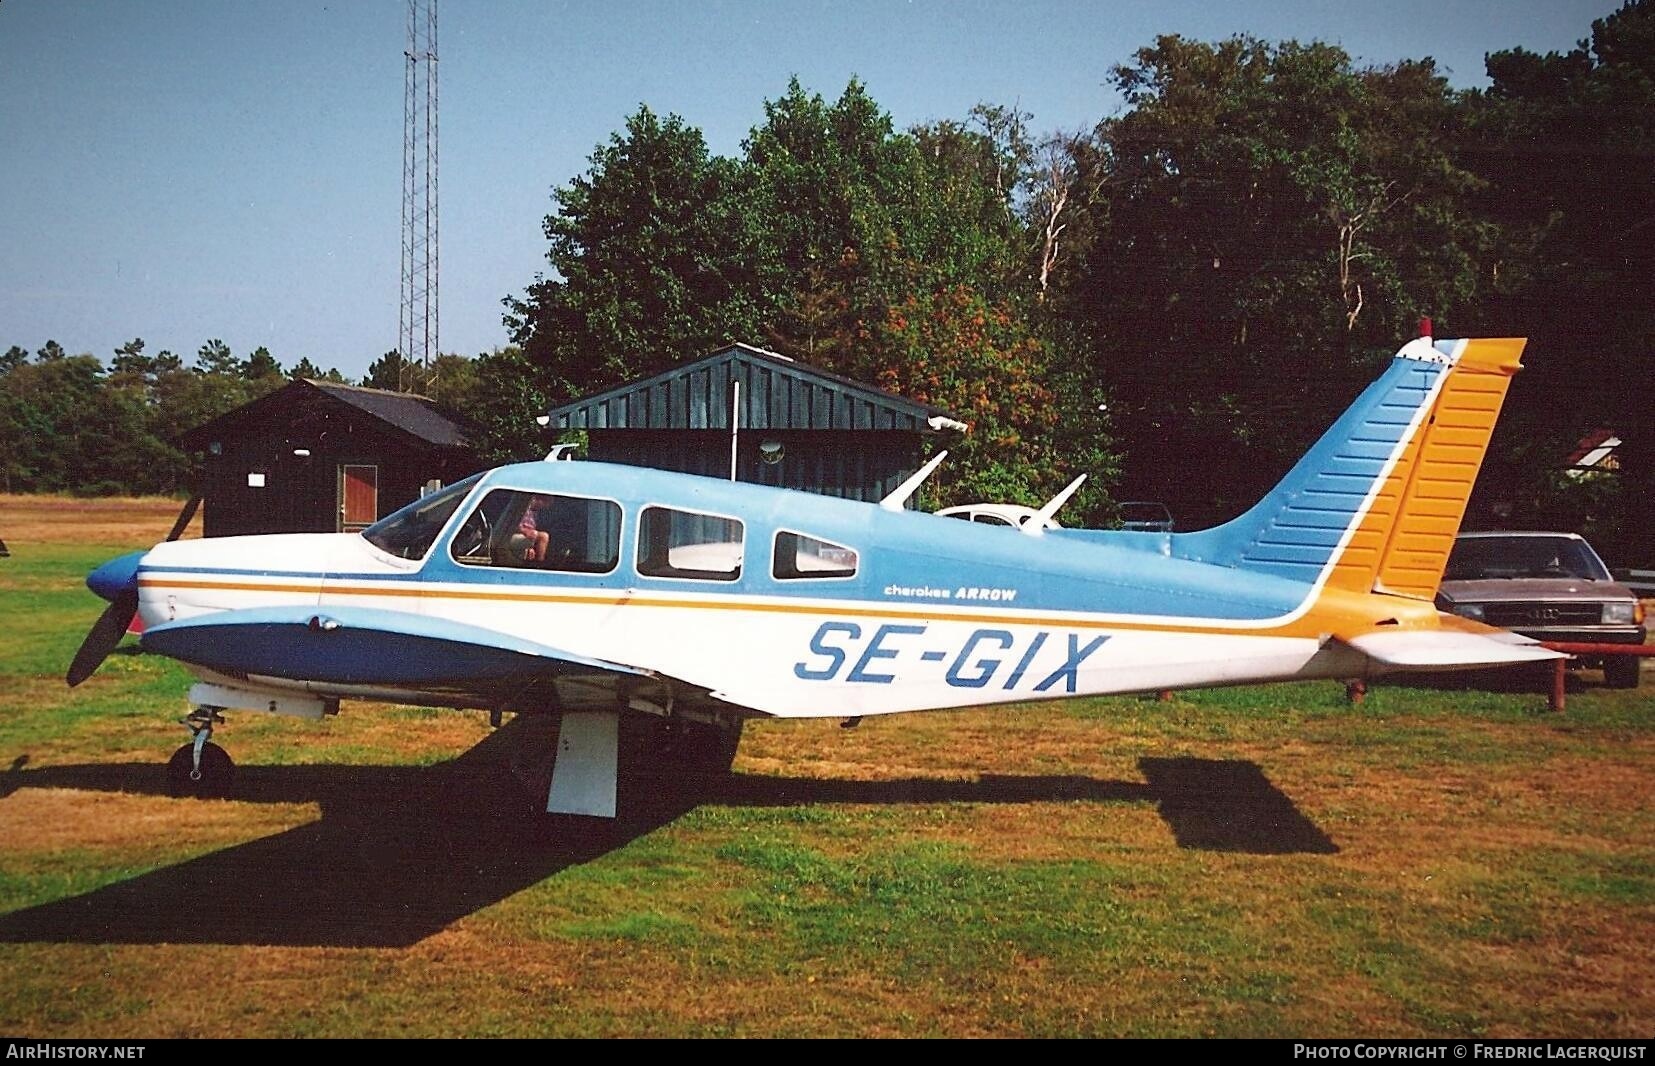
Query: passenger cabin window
{"x":409,"y":533}
{"x":798,"y":556}
{"x":540,"y":531}
{"x":686,"y":544}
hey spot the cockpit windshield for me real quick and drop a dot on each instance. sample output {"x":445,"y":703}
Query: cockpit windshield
{"x":410,"y":532}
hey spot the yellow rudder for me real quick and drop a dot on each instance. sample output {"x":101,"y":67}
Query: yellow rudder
{"x":1433,"y":482}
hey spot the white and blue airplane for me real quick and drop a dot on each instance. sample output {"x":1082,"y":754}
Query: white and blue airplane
{"x":607,"y":594}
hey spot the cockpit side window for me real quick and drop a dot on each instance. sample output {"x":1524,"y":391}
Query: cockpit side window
{"x":800,"y":556}
{"x":540,"y":531}
{"x":674,"y":543}
{"x":410,"y":532}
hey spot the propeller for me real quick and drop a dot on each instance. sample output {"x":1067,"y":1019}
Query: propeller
{"x":106,"y":632}
{"x":184,"y":518}
{"x":117,"y":582}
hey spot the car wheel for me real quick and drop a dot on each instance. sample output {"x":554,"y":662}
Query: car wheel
{"x":1621,"y":671}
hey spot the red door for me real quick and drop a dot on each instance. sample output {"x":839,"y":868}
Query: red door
{"x":358,"y":497}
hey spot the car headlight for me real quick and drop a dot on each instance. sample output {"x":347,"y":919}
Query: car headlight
{"x":1619,"y":613}
{"x":1469,"y":610}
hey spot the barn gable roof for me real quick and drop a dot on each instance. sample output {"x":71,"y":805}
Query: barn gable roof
{"x":776,"y":393}
{"x":412,"y":415}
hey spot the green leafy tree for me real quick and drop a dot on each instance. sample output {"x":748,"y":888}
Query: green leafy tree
{"x":1266,"y":224}
{"x":453,"y":381}
{"x":130,"y":361}
{"x":822,"y":236}
{"x":46,"y":424}
{"x":64,"y":428}
{"x":824,"y":179}
{"x":503,"y":404}
{"x":1032,"y":428}
{"x":14,"y":357}
{"x":904,"y":259}
{"x":215,"y":357}
{"x":652,"y":254}
{"x":391,"y":372}
{"x":260,"y":364}
{"x":1567,"y":143}
{"x":304,"y":368}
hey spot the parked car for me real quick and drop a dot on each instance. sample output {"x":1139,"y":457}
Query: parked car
{"x":1146,"y":516}
{"x":996,"y":514}
{"x":1549,"y":586}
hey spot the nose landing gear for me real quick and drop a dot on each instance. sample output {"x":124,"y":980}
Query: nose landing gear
{"x":201,"y":769}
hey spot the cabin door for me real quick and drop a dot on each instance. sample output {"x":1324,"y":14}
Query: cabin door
{"x":358,"y":497}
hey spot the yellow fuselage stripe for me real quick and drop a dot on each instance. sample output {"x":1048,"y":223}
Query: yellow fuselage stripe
{"x":1314,"y":624}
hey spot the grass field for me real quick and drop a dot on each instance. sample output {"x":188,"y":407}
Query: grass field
{"x":1264,"y":861}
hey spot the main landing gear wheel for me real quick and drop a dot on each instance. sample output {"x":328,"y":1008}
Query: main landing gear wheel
{"x":201,"y":769}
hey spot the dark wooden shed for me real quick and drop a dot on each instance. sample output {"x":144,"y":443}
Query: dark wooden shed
{"x":317,"y":457}
{"x":795,"y":425}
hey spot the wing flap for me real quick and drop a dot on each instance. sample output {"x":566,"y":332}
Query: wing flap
{"x":363,"y":646}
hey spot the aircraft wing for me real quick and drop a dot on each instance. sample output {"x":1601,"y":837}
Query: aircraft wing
{"x":365,"y":646}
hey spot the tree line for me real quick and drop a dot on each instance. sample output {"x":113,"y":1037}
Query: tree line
{"x":68,"y":423}
{"x":1176,"y":300}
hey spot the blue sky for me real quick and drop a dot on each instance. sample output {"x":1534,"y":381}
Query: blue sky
{"x":228,"y":168}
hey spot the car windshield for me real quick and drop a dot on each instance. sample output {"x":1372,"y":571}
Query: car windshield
{"x":1481,"y":558}
{"x":410,"y":532}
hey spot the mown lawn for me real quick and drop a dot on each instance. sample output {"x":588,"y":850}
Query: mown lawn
{"x":1255,"y":862}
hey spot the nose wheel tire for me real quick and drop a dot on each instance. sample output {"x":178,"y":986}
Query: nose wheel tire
{"x":211,"y":780}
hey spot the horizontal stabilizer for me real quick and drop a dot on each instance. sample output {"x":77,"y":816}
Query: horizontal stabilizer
{"x":1427,"y":649}
{"x":361,"y":646}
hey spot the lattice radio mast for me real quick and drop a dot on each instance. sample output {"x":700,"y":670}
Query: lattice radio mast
{"x":418,"y":335}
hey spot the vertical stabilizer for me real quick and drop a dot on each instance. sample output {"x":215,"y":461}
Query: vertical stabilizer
{"x":1376,"y":503}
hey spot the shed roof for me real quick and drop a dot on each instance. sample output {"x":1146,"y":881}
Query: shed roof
{"x":416,"y":416}
{"x":1596,"y":451}
{"x":776,"y":393}
{"x":409,"y":412}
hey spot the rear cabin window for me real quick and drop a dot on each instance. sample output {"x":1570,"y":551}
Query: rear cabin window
{"x":799,"y":556}
{"x":687,"y":544}
{"x":540,"y":531}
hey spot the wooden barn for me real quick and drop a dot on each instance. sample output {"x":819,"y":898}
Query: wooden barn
{"x":317,"y":457}
{"x":793,"y":425}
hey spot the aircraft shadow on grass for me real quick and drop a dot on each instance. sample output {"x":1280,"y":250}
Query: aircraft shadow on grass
{"x":400,"y":853}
